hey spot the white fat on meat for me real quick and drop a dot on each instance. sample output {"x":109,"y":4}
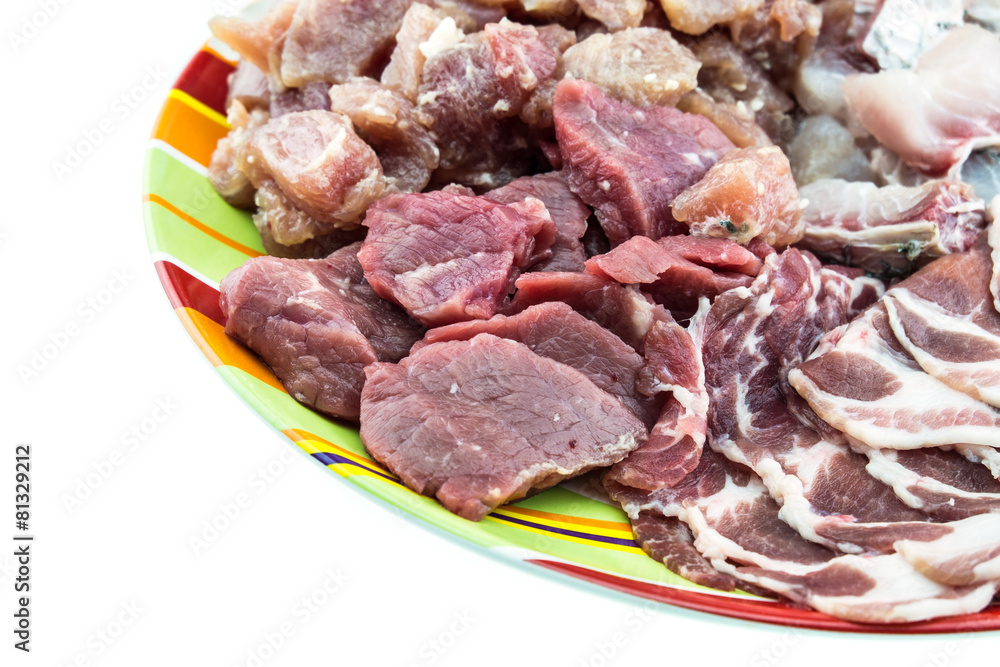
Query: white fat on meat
{"x":993,"y":237}
{"x":969,"y":555}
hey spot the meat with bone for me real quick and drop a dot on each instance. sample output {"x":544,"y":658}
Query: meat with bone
{"x":674,"y":281}
{"x":861,"y":381}
{"x":568,"y":213}
{"x":448,"y":257}
{"x":752,"y":337}
{"x":749,"y":193}
{"x":556,"y":331}
{"x":387,"y":121}
{"x":481,"y":422}
{"x":887,"y":230}
{"x":736,"y":526}
{"x":629,"y":163}
{"x":317,"y":324}
{"x":334,"y":40}
{"x":321,"y":165}
{"x":950,"y":102}
{"x":641,"y":66}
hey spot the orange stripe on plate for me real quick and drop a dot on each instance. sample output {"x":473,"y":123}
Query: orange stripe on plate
{"x":222,"y":350}
{"x":188,"y":130}
{"x":200,"y":226}
{"x":564,"y":518}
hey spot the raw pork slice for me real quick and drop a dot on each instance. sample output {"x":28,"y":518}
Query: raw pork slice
{"x":886,"y":230}
{"x":317,"y":324}
{"x":481,"y":422}
{"x":568,"y":213}
{"x":556,"y":331}
{"x":629,"y":163}
{"x":934,"y":115}
{"x":668,"y":540}
{"x":736,"y":526}
{"x":448,"y":257}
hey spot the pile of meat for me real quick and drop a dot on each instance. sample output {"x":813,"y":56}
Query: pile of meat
{"x":738,"y":257}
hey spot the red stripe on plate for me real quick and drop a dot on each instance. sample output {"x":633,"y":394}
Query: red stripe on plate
{"x":771,"y":612}
{"x":205,"y":80}
{"x":186,"y":291}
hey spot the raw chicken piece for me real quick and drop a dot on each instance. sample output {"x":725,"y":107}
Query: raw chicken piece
{"x":248,"y":86}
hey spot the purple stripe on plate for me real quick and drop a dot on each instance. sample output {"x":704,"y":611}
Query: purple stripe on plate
{"x":327,"y":458}
{"x":572,"y":533}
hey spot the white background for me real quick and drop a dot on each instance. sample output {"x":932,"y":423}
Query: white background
{"x":408,"y":595}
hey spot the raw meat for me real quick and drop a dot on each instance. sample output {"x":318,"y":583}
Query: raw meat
{"x":448,"y":257}
{"x":317,"y":324}
{"x":423,"y":29}
{"x":697,"y":16}
{"x":735,"y":120}
{"x":275,"y":211}
{"x":314,"y":95}
{"x":481,"y":422}
{"x":615,"y":14}
{"x":253,"y":39}
{"x":668,"y":540}
{"x":823,"y":148}
{"x":630,"y":163}
{"x":225,"y":169}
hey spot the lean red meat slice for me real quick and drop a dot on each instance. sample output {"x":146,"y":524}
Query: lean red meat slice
{"x":568,"y":213}
{"x":668,"y":540}
{"x":481,"y":422}
{"x":556,"y":331}
{"x":950,"y":103}
{"x":628,"y":162}
{"x":317,"y":324}
{"x":861,"y":381}
{"x":448,"y":257}
{"x":736,"y":526}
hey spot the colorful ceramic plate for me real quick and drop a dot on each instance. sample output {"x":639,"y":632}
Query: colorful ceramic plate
{"x":196,"y":239}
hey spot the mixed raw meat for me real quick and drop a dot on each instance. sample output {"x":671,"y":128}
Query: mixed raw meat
{"x":740,"y":257}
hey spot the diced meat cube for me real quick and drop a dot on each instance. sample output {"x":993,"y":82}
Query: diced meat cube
{"x":423,"y":30}
{"x":696,"y":16}
{"x":248,"y":86}
{"x":615,"y":14}
{"x":386,"y":120}
{"x":321,"y":165}
{"x":629,"y":163}
{"x":276,"y":212}
{"x":482,"y":422}
{"x":567,"y":211}
{"x":227,"y":168}
{"x":521,"y":61}
{"x":448,"y":257}
{"x":749,"y":193}
{"x":334,"y":40}
{"x":253,"y":39}
{"x":736,"y":121}
{"x":313,"y":96}
{"x":641,"y":66}
{"x":316,"y":324}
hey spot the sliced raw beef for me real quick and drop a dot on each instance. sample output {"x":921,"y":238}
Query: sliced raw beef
{"x":942,"y":483}
{"x":556,"y":331}
{"x":568,"y":213}
{"x":629,"y":163}
{"x":321,"y":165}
{"x":736,"y":525}
{"x":276,"y":212}
{"x":861,"y":381}
{"x":253,"y":39}
{"x":945,"y":318}
{"x":641,"y":66}
{"x":387,"y":121}
{"x":674,"y":281}
{"x":675,"y":443}
{"x":448,"y":257}
{"x":622,"y":310}
{"x":481,"y":422}
{"x":751,"y":338}
{"x":334,"y":40}
{"x":886,"y":230}
{"x":748,"y":193}
{"x":668,"y":540}
{"x":934,"y":115}
{"x":317,"y":324}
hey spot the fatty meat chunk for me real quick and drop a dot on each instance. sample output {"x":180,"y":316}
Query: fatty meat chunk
{"x":614,"y":14}
{"x":276,"y":213}
{"x":387,"y":121}
{"x":447,"y":257}
{"x":629,"y":163}
{"x":641,"y":66}
{"x":334,"y":40}
{"x":323,"y":167}
{"x":696,"y":16}
{"x":424,"y":30}
{"x":316,"y":324}
{"x":735,"y":120}
{"x":749,"y":193}
{"x":226,"y":169}
{"x":482,"y":422}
